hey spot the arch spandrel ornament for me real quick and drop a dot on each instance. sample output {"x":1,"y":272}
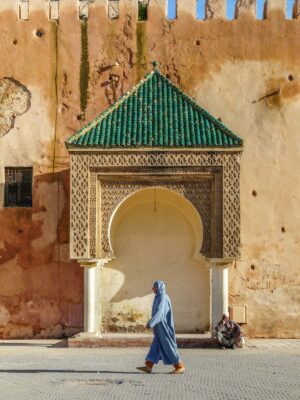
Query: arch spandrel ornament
{"x":101,"y":180}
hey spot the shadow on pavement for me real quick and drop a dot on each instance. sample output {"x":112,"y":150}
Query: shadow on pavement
{"x":72,"y":371}
{"x":61,"y":343}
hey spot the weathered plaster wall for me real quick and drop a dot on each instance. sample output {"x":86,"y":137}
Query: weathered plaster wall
{"x":41,"y":288}
{"x":245,"y":71}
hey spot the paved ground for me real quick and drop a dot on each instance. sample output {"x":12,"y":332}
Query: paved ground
{"x":42,"y":370}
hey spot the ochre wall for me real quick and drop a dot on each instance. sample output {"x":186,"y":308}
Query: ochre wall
{"x":245,"y":71}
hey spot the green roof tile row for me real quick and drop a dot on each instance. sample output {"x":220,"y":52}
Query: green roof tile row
{"x":154,"y":113}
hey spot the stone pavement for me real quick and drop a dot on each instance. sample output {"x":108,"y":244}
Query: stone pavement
{"x":44,"y":370}
{"x":273,"y":343}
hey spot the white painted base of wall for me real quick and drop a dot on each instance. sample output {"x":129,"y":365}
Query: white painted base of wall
{"x":92,"y":300}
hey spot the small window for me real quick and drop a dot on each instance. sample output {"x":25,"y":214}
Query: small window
{"x":18,"y":187}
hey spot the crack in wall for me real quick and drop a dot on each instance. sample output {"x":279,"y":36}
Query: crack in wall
{"x":275,"y":93}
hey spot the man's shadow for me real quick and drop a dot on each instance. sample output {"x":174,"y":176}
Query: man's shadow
{"x":72,"y":371}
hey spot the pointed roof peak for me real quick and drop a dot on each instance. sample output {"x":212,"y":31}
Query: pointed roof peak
{"x":155,"y":64}
{"x":155,"y":113}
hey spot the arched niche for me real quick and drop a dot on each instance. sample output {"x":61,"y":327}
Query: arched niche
{"x":156,"y":196}
{"x":155,"y":234}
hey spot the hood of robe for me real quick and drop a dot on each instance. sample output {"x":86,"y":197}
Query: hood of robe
{"x":160,"y":286}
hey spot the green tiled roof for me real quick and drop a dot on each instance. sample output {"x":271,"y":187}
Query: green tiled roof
{"x":154,"y":113}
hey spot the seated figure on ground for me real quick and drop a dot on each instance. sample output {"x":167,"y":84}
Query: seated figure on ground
{"x":228,"y":333}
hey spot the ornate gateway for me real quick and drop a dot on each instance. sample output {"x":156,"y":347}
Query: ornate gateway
{"x":154,"y":136}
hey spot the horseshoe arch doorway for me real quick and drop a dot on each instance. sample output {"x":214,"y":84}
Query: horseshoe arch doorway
{"x":155,"y":234}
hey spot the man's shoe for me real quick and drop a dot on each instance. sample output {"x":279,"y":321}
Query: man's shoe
{"x":145,"y":369}
{"x":233,"y":346}
{"x":180,"y":370}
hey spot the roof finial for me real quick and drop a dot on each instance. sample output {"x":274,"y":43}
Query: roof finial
{"x":155,"y":64}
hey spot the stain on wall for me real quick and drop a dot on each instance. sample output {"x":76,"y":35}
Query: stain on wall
{"x":84,"y":68}
{"x":41,"y":292}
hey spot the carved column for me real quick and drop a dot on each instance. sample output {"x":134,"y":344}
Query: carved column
{"x":92,"y":312}
{"x":219,"y":289}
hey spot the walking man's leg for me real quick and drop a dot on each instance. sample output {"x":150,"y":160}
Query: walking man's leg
{"x":151,"y":359}
{"x":179,"y":368}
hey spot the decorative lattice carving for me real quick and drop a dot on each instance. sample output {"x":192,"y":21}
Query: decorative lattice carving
{"x":112,"y":194}
{"x":85,"y":165}
{"x":93,"y":196}
{"x":155,"y":159}
{"x":200,"y":195}
{"x":231,"y":206}
{"x":79,"y":207}
{"x":218,"y":251}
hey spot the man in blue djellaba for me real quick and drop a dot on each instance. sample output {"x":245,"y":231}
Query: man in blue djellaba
{"x":164,"y":345}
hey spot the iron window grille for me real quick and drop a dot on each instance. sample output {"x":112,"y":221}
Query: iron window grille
{"x":18,"y":187}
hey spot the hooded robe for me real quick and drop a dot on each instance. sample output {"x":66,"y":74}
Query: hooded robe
{"x":164,"y":345}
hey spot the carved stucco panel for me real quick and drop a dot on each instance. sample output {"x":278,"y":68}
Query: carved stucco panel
{"x":79,"y":241}
{"x":84,"y":192}
{"x":231,"y":206}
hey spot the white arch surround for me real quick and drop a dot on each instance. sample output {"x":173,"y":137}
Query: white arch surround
{"x":166,"y":196}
